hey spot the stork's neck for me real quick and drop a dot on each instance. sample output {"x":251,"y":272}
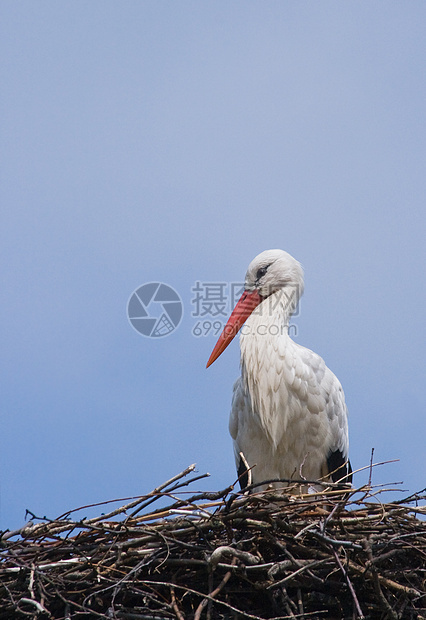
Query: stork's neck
{"x":267,"y":325}
{"x":271,"y":318}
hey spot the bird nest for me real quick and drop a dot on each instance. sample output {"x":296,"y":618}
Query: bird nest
{"x":174,"y":554}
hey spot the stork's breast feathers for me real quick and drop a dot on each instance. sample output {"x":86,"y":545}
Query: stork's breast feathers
{"x":292,"y":392}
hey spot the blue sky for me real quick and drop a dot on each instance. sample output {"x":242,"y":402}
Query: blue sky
{"x":172,"y":142}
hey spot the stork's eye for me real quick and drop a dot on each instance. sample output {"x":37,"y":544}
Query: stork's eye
{"x":261,"y":272}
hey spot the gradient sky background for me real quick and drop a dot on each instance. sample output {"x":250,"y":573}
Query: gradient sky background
{"x":174,"y":141}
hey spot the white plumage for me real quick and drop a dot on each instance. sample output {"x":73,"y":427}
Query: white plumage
{"x":288,"y":418}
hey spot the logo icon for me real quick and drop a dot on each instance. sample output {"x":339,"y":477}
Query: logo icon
{"x":155,"y":310}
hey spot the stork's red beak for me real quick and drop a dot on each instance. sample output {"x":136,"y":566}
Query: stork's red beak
{"x":245,"y":306}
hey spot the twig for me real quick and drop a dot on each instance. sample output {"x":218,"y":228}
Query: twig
{"x":350,"y":586}
{"x":176,"y":609}
{"x":300,"y":570}
{"x":215,"y":592}
{"x":158,"y":490}
{"x":36,"y":604}
{"x":244,"y":556}
{"x":389,"y":611}
{"x":371,"y":467}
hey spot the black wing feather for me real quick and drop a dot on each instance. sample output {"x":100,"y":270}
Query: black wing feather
{"x":339,"y":467}
{"x":243,"y":474}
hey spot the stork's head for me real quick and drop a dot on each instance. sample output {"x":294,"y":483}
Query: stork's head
{"x":273,"y":270}
{"x":270,"y":272}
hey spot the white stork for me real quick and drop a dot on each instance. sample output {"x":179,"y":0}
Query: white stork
{"x":288,"y":417}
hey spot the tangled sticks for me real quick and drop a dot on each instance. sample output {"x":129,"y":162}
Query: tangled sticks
{"x":335,"y":554}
